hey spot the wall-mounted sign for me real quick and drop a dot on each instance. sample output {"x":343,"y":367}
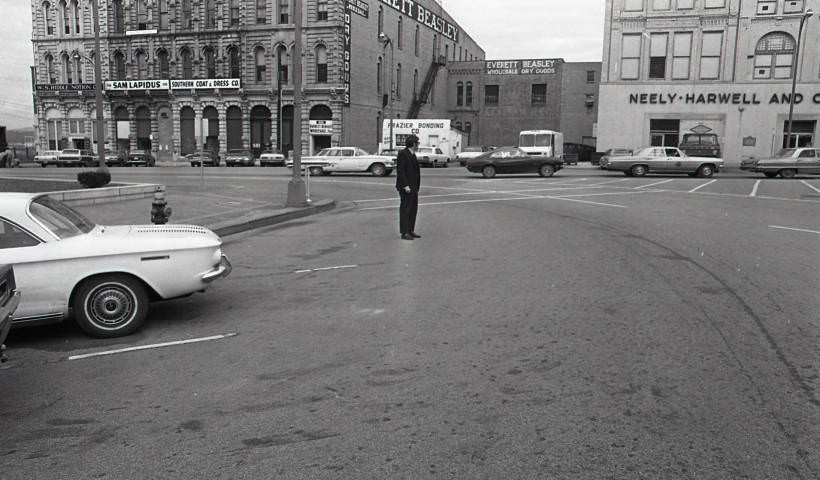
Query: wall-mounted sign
{"x":728,"y":98}
{"x":749,"y":141}
{"x":206,"y":83}
{"x":320,"y":127}
{"x":346,"y":55}
{"x":424,"y":16}
{"x":521,"y":67}
{"x":121,"y":85}
{"x":63,"y":87}
{"x":359,"y":7}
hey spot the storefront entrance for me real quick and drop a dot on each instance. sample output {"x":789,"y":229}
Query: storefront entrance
{"x":664,"y":133}
{"x":165,"y":135}
{"x":802,"y":133}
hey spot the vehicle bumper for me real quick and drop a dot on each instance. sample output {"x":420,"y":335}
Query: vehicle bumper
{"x":5,"y":315}
{"x":221,"y":271}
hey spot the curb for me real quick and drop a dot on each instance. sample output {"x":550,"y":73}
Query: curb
{"x":106,"y":194}
{"x":259,"y":220}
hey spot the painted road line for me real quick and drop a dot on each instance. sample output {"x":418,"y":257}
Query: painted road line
{"x":325,"y":269}
{"x":588,"y":202}
{"x":483,"y":192}
{"x":778,"y":227}
{"x":611,"y":182}
{"x":656,"y":183}
{"x":810,"y":186}
{"x":702,"y":185}
{"x":606,"y":193}
{"x":489,"y":200}
{"x":156,"y":345}
{"x":754,"y":189}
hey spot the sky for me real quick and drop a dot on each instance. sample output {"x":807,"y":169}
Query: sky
{"x":511,"y":29}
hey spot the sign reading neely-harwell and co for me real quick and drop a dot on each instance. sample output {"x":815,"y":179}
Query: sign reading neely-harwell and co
{"x":426,"y":17}
{"x":542,"y":66}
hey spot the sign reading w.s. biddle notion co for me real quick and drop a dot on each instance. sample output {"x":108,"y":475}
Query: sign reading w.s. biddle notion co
{"x":426,"y":17}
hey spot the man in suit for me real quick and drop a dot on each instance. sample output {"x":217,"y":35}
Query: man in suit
{"x":408,"y":181}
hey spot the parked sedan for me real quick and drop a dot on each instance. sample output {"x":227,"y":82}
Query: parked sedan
{"x":115,"y":159}
{"x":787,"y":163}
{"x":140,"y":157}
{"x":73,"y":157}
{"x":347,"y":159}
{"x":663,"y":160}
{"x":242,"y":158}
{"x":9,"y":299}
{"x":432,"y":157}
{"x":603,"y":162}
{"x":47,"y":157}
{"x":269,"y":159}
{"x":210,"y":159}
{"x":104,"y":276}
{"x":471,"y":152}
{"x":513,"y":160}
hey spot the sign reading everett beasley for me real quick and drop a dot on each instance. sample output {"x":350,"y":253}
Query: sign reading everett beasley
{"x":412,"y":9}
{"x":522,"y":67}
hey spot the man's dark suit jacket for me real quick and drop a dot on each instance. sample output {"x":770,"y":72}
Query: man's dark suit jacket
{"x":407,"y":171}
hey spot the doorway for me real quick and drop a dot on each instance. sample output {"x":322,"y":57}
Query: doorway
{"x":664,"y":133}
{"x":802,"y":133}
{"x":165,"y":134}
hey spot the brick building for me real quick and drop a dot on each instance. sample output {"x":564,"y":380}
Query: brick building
{"x":722,"y":67}
{"x":168,"y":63}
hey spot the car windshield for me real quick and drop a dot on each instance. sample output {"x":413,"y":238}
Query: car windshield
{"x":786,"y":152}
{"x":323,"y":153}
{"x":472,"y":149}
{"x":71,"y":152}
{"x":59,"y":218}
{"x":238,"y":152}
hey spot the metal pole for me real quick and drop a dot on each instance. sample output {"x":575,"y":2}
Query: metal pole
{"x":794,"y":76}
{"x":98,"y":88}
{"x":296,"y":186}
{"x":392,"y":114}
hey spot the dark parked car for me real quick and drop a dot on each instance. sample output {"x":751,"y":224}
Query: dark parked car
{"x":9,"y":299}
{"x":115,"y":159}
{"x":140,"y":157}
{"x":210,"y":159}
{"x":513,"y":160}
{"x":700,"y":145}
{"x":787,"y":163}
{"x":242,"y":158}
{"x":577,"y":152}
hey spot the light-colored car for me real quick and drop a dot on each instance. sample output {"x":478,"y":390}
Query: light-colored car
{"x":787,"y":163}
{"x":269,"y":159}
{"x":347,"y":159}
{"x":9,"y":299}
{"x":73,"y":157}
{"x":663,"y":160}
{"x":613,"y":152}
{"x":239,"y":157}
{"x":47,"y":157}
{"x":432,"y":157}
{"x":104,"y":275}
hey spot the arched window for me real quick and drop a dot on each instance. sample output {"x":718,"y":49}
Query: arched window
{"x":321,"y":64}
{"x":282,"y":62}
{"x":416,"y":41}
{"x":142,"y":15}
{"x":379,"y":75}
{"x":50,"y":69}
{"x":119,"y":16}
{"x":75,"y":10}
{"x":446,"y":51}
{"x":233,"y":62}
{"x":47,"y":19}
{"x":468,"y":94}
{"x":210,"y":62}
{"x":259,"y":56}
{"x":66,"y":67}
{"x":164,"y":64}
{"x":234,"y":14}
{"x":119,"y":65}
{"x":398,"y":33}
{"x":398,"y":81}
{"x":163,"y":14}
{"x":187,"y":63}
{"x":774,"y":56}
{"x":284,"y":11}
{"x":415,"y":84}
{"x":459,"y":94}
{"x":142,"y":64}
{"x":187,"y":14}
{"x":210,"y":14}
{"x":468,"y":128}
{"x":78,"y":67}
{"x":381,"y":21}
{"x":460,"y":58}
{"x":65,"y":18}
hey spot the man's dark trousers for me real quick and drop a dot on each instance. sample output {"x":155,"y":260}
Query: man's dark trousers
{"x":408,"y":208}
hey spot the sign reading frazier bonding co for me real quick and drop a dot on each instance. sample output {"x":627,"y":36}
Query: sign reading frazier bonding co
{"x":521,"y":67}
{"x":217,"y":83}
{"x":412,"y":9}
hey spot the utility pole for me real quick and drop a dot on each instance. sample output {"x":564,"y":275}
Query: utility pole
{"x":297,"y":196}
{"x":98,"y":96}
{"x":795,"y":66}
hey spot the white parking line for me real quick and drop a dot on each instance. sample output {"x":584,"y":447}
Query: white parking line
{"x":488,"y":200}
{"x":810,"y":186}
{"x":702,"y":185}
{"x":611,"y":181}
{"x":325,"y":269}
{"x":483,"y":192}
{"x":156,"y":345}
{"x":794,"y":229}
{"x":656,"y":183}
{"x":754,"y":189}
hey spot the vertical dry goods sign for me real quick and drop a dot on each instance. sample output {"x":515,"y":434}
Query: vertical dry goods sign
{"x":359,"y":7}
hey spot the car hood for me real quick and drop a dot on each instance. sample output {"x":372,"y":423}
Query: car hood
{"x":141,"y":238}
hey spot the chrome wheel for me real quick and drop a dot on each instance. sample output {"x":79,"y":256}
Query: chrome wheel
{"x":378,"y":170}
{"x":315,"y":170}
{"x":546,"y":170}
{"x":706,"y":171}
{"x":788,"y":173}
{"x":638,"y":171}
{"x":110,"y":305}
{"x":488,"y":171}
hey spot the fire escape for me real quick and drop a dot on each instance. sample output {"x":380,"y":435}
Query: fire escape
{"x":426,"y":87}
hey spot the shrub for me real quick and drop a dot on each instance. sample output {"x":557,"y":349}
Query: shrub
{"x":94,"y":179}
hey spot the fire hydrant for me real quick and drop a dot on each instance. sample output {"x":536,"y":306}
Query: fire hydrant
{"x":160,"y":211}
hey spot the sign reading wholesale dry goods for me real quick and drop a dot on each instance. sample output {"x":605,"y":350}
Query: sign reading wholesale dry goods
{"x":426,"y":17}
{"x":522,"y":67}
{"x":359,"y":7}
{"x":320,"y":127}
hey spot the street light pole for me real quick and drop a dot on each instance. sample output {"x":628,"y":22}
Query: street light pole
{"x":387,"y":41}
{"x":98,"y":88}
{"x":795,"y":64}
{"x":297,"y":195}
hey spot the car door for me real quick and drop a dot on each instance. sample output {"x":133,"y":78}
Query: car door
{"x":808,"y":161}
{"x":673,"y":161}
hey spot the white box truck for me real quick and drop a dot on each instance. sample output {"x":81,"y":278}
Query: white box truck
{"x":431,"y":132}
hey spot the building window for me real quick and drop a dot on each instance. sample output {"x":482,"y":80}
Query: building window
{"x":164,"y":64}
{"x":163,"y":14}
{"x":590,"y":76}
{"x":234,"y":13}
{"x":681,"y":55}
{"x":142,"y":15}
{"x":415,"y":84}
{"x":187,"y":64}
{"x":716,"y":3}
{"x":321,"y":10}
{"x":657,"y":55}
{"x":187,"y":14}
{"x":416,"y":41}
{"x":539,"y":93}
{"x":630,"y":56}
{"x":50,"y":69}
{"x":685,"y":4}
{"x":233,"y":62}
{"x":284,"y":11}
{"x":321,"y":64}
{"x":633,"y":5}
{"x":793,"y":6}
{"x":261,"y":12}
{"x":210,"y":62}
{"x":774,"y":55}
{"x":75,"y":9}
{"x":259,"y":55}
{"x":398,"y":81}
{"x":379,"y":75}
{"x":491,"y":95}
{"x":468,"y":128}
{"x":468,"y":94}
{"x":459,"y":94}
{"x":47,"y":19}
{"x":119,"y":65}
{"x":710,"y":55}
{"x":66,"y":66}
{"x":766,"y":7}
{"x":661,"y":4}
{"x":380,"y":21}
{"x":142,"y":65}
{"x":398,"y":34}
{"x":210,"y":14}
{"x":65,"y":19}
{"x":282,"y":65}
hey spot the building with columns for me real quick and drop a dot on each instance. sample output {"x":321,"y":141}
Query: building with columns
{"x":721,"y":67}
{"x":168,"y":64}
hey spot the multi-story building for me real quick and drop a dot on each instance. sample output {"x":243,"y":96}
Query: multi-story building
{"x":169,"y":64}
{"x":710,"y":66}
{"x":493,"y":100}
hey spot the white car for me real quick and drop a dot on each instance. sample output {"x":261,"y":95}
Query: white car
{"x":347,"y":159}
{"x":104,"y":275}
{"x":268,"y":159}
{"x":432,"y":157}
{"x":47,"y":157}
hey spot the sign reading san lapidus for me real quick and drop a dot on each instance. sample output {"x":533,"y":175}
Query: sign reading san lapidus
{"x":421,"y":14}
{"x":122,"y":85}
{"x":63,"y":87}
{"x":543,"y":66}
{"x":186,"y":84}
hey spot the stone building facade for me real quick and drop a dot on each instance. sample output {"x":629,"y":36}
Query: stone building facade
{"x":721,"y":67}
{"x":169,"y":64}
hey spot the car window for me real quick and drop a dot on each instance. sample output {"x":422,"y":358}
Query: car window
{"x":13,"y":237}
{"x":708,"y":140}
{"x":347,"y":152}
{"x":59,"y":218}
{"x":807,"y":154}
{"x":672,"y":152}
{"x":438,"y":151}
{"x":543,"y":140}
